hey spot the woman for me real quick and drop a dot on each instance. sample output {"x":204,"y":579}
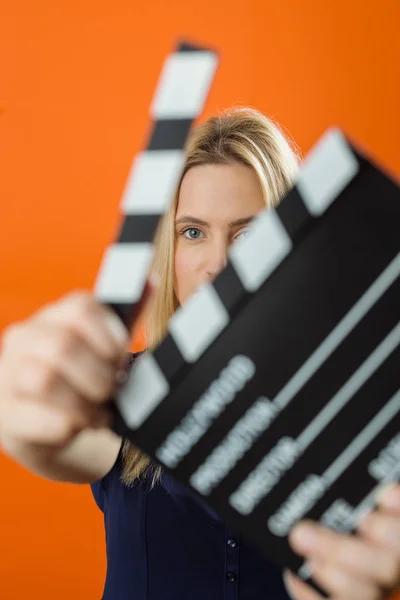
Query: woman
{"x":59,"y":367}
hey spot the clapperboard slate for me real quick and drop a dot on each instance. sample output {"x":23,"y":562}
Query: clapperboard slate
{"x":275,"y":394}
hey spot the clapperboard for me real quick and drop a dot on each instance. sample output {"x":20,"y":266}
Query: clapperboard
{"x":275,"y":394}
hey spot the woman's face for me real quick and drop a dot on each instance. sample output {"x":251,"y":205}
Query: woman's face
{"x":216,"y":204}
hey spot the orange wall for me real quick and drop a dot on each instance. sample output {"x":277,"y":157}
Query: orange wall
{"x":76,"y":81}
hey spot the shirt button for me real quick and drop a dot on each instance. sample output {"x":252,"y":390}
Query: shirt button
{"x":231,"y":543}
{"x":231,"y":577}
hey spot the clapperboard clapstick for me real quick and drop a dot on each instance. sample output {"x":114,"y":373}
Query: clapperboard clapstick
{"x":179,"y":99}
{"x":275,"y":395}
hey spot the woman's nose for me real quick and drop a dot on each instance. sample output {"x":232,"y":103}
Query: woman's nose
{"x":218,"y":259}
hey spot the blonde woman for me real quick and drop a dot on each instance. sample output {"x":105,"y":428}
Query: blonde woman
{"x":58,"y":369}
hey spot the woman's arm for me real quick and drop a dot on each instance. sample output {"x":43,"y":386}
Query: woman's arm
{"x":87,"y":458}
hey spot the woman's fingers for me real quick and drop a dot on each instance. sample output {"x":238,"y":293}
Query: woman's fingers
{"x":347,"y":553}
{"x":298,"y":589}
{"x":79,"y":312}
{"x":383,"y":530}
{"x":343,"y":583}
{"x":61,"y":353}
{"x":58,"y":370}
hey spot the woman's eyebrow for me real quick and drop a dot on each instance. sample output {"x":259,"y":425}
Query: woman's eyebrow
{"x":242,"y":221}
{"x":190,"y":219}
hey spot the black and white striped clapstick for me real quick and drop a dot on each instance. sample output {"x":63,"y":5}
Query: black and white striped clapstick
{"x":179,"y":99}
{"x":326,"y":172}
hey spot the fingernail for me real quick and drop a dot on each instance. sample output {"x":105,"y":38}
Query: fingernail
{"x":304,"y":537}
{"x":117,"y":329}
{"x":388,"y":495}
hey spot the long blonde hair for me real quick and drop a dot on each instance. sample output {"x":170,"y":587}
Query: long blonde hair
{"x":241,"y":135}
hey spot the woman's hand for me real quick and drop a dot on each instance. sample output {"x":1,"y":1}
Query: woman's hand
{"x":58,"y":369}
{"x":366,"y":567}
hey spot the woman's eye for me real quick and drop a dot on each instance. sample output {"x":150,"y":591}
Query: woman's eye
{"x":192,"y":233}
{"x":242,"y":234}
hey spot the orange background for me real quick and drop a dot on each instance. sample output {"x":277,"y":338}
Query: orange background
{"x":76,"y":81}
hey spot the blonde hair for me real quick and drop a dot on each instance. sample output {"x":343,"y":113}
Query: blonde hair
{"x":238,"y":135}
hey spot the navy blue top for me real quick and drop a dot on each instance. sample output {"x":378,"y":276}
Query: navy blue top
{"x":166,"y":544}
